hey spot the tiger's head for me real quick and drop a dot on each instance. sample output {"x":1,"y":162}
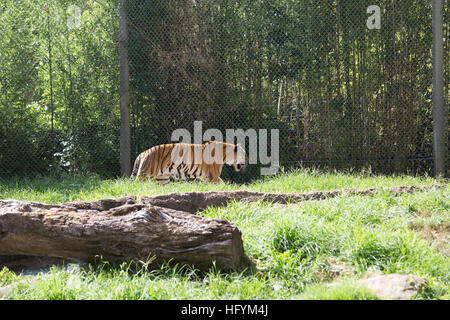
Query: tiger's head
{"x":235,"y":156}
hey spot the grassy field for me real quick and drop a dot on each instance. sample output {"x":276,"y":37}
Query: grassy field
{"x":298,"y":249}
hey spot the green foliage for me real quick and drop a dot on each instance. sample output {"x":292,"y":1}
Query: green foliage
{"x":59,"y":88}
{"x":6,"y":276}
{"x":377,"y":248}
{"x":306,"y":242}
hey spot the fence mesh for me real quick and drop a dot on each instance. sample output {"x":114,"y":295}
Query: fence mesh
{"x":343,"y":91}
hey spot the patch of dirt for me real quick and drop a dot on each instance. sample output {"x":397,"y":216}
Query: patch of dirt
{"x":332,"y":270}
{"x":437,"y":235}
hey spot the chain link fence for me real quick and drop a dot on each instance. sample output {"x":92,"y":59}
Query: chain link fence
{"x":348,"y":84}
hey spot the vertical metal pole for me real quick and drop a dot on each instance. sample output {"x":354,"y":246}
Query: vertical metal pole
{"x":440,"y":111}
{"x":125,"y":139}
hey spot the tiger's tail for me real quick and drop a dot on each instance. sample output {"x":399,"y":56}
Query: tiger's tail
{"x":143,"y":164}
{"x":137,"y":165}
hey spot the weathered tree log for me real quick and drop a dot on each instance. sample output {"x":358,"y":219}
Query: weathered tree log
{"x":118,"y":230}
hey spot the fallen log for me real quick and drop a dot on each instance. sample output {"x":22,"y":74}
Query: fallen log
{"x":118,"y":230}
{"x":195,"y":201}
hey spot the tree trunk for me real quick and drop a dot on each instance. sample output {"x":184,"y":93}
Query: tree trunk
{"x":118,"y":230}
{"x":125,"y":133}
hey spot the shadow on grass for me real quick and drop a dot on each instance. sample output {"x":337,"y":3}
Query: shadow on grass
{"x":62,"y":184}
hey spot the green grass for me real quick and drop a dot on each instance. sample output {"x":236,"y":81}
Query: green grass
{"x":344,"y":290}
{"x":91,"y":187}
{"x":296,"y":248}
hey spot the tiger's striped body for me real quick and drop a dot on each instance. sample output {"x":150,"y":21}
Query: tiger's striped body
{"x":188,"y":161}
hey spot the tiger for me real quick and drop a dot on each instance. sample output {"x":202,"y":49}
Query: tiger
{"x":184,"y":161}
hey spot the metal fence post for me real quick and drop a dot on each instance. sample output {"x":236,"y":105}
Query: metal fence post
{"x":125,"y":139}
{"x":439,"y":108}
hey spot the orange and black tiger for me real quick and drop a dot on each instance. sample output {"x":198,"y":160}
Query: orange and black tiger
{"x":189,"y":161}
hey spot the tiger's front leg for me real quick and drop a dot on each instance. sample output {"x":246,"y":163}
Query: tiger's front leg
{"x":163,"y":179}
